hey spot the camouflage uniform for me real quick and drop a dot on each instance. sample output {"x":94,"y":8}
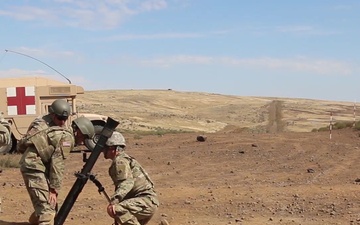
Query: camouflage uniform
{"x":42,"y":164}
{"x":5,"y":136}
{"x":134,"y":199}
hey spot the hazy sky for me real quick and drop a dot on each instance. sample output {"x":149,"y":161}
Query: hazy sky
{"x":278,"y":48}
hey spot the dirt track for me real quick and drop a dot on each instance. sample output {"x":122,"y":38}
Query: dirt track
{"x":231,"y":178}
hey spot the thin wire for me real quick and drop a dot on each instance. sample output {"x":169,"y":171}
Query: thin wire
{"x":3,"y":56}
{"x":6,"y":50}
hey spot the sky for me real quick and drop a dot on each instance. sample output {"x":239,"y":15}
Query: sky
{"x":279,"y":48}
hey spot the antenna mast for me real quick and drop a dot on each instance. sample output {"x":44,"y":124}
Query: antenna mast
{"x":6,"y":50}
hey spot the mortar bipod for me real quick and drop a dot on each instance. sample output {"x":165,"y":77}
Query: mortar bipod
{"x":101,"y":189}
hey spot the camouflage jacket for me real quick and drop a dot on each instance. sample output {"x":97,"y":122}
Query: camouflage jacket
{"x":5,"y":136}
{"x":46,"y":148}
{"x":130,"y":179}
{"x":40,"y":123}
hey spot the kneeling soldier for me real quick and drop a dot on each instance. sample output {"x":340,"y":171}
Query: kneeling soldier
{"x":134,"y":201}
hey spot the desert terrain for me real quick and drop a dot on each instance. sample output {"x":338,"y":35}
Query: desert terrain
{"x":209,"y":112}
{"x":259,"y":165}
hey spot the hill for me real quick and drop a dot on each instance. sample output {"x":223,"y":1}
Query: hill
{"x":248,"y":178}
{"x":206,"y":112}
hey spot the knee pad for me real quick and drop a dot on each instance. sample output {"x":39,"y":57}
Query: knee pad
{"x":46,"y":219}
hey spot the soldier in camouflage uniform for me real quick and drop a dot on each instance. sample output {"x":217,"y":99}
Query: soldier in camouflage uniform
{"x":45,"y":147}
{"x":5,"y":136}
{"x":134,"y":201}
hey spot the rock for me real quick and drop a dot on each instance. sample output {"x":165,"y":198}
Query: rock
{"x":201,"y":138}
{"x":310,"y":170}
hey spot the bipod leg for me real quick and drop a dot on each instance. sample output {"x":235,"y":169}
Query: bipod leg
{"x":101,"y":189}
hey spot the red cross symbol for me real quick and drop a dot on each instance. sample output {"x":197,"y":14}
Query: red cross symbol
{"x":21,"y":100}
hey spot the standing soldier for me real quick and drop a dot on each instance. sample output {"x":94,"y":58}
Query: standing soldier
{"x":59,"y":112}
{"x":134,"y":201}
{"x":5,"y":137}
{"x":45,"y":147}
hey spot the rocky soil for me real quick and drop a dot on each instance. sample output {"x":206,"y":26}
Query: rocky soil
{"x":231,"y":178}
{"x":259,"y":164}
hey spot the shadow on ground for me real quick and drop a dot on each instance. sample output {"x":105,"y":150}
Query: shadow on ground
{"x":12,"y":223}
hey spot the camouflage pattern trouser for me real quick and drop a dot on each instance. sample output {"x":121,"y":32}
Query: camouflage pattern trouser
{"x":136,"y":211}
{"x":38,"y":189}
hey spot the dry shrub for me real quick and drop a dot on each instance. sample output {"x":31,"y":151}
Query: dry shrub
{"x":10,"y":161}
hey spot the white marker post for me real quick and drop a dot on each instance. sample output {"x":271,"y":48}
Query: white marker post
{"x":354,"y":114}
{"x":330,"y":125}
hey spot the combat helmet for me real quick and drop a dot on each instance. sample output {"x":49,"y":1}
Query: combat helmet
{"x":60,"y":107}
{"x":85,"y":126}
{"x":116,"y":139}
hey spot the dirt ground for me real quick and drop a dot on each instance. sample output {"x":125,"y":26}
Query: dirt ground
{"x":231,"y":178}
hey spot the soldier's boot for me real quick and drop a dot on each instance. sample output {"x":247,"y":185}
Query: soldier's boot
{"x":33,"y":219}
{"x":164,"y":222}
{"x":46,"y":219}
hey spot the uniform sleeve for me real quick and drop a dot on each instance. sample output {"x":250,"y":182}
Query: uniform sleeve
{"x":37,"y":125}
{"x":24,"y":142}
{"x":123,"y":179}
{"x":57,"y":163}
{"x":67,"y":144}
{"x":56,"y":170}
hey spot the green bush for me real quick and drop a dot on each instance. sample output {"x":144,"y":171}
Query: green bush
{"x":323,"y":129}
{"x":10,"y":161}
{"x":342,"y":124}
{"x":357,"y":125}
